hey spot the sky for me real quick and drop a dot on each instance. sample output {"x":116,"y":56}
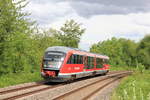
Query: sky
{"x":102,"y":19}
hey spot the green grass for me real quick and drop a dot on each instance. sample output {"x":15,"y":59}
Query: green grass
{"x":134,"y":87}
{"x":18,"y":78}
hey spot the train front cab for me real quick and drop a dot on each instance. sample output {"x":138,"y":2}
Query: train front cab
{"x":51,"y":64}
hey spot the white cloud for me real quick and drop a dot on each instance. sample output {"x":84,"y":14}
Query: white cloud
{"x":88,"y":8}
{"x":48,"y":12}
{"x":103,"y":27}
{"x":98,"y":27}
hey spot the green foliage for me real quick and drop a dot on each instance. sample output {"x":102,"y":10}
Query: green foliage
{"x":122,"y":52}
{"x":45,"y":40}
{"x":143,"y":51}
{"x":140,"y":68}
{"x":70,"y":34}
{"x":19,"y":78}
{"x":134,"y":87}
{"x":14,"y":36}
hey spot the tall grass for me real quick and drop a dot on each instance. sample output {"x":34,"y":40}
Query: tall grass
{"x":134,"y":87}
{"x":18,"y":78}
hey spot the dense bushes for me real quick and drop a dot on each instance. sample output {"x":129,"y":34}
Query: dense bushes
{"x":123,"y":52}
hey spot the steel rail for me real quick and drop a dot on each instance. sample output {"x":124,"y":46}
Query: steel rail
{"x":30,"y":93}
{"x":102,"y":87}
{"x":78,"y":89}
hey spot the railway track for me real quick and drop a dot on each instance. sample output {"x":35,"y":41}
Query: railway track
{"x":85,"y":92}
{"x":15,"y":93}
{"x":68,"y":93}
{"x":19,"y":88}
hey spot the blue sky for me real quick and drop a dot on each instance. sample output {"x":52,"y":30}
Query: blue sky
{"x":102,"y":19}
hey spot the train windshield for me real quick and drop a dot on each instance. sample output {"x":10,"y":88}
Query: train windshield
{"x":53,"y":60}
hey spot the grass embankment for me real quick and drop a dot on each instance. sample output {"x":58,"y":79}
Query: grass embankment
{"x":134,"y":87}
{"x":18,"y":78}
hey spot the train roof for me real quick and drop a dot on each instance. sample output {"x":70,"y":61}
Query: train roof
{"x":67,"y":49}
{"x":59,"y":48}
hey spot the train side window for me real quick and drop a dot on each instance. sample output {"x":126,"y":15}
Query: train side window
{"x":92,"y":62}
{"x":75,"y":59}
{"x":80,"y":60}
{"x":85,"y":61}
{"x":88,"y":62}
{"x":99,"y":63}
{"x":69,"y":60}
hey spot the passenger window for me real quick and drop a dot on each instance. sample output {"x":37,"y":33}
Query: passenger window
{"x":75,"y":59}
{"x":85,"y":61}
{"x":90,"y":62}
{"x":69,"y":60}
{"x":80,"y":59}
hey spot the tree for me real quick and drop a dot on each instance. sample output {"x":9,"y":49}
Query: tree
{"x":111,"y":48}
{"x":15,"y":32}
{"x":70,"y":33}
{"x":143,"y":52}
{"x":44,"y":40}
{"x":122,"y":52}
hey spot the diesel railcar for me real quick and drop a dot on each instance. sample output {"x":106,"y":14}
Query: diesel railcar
{"x":61,"y":64}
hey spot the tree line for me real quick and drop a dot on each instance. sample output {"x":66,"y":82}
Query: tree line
{"x":125,"y":52}
{"x":22,"y":43}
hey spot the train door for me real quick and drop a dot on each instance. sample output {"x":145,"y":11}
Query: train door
{"x":85,"y":62}
{"x":89,"y":63}
{"x":99,"y":63}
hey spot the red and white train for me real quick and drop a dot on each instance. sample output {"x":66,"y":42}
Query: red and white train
{"x":63,"y":63}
